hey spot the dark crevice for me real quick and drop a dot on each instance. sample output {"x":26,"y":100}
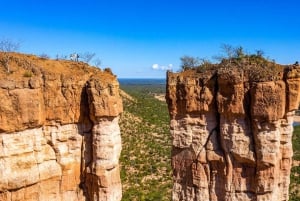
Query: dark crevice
{"x":216,"y":129}
{"x":16,"y":189}
{"x":87,"y":125}
{"x":248,"y":106}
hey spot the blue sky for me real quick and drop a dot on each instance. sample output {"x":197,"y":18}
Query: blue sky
{"x":143,"y":38}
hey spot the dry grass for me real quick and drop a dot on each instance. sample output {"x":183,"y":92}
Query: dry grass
{"x":160,"y":97}
{"x":25,"y":65}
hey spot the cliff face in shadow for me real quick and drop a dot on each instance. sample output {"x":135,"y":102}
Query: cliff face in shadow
{"x":232,"y":133}
{"x":59,"y":132}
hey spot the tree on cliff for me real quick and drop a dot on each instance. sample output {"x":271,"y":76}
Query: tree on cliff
{"x":87,"y":56}
{"x":230,"y":53}
{"x":97,"y":62}
{"x":6,"y":47}
{"x":188,"y":62}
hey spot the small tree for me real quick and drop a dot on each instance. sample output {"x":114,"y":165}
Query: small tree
{"x":44,"y":56}
{"x":260,"y":53}
{"x":97,"y":62}
{"x":87,"y":56}
{"x":229,"y":51}
{"x":239,"y":52}
{"x":108,"y":70}
{"x":188,"y":62}
{"x":6,"y":47}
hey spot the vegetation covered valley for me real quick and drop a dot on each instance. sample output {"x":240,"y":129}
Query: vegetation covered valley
{"x":295,"y":172}
{"x":146,"y":145}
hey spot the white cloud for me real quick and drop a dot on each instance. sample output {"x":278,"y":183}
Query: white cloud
{"x":155,"y":66}
{"x":163,"y":68}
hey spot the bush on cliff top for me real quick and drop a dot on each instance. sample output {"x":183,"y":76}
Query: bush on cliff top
{"x":256,"y":66}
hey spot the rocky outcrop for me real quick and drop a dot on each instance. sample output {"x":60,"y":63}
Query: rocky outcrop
{"x":232,"y":135}
{"x":59,"y":133}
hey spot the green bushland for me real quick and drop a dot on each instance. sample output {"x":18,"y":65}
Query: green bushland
{"x":295,"y":172}
{"x":296,"y":143}
{"x":146,"y":145}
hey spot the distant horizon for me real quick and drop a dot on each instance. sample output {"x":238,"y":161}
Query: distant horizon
{"x":150,"y":78}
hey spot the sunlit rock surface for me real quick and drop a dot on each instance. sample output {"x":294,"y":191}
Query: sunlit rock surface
{"x":231,"y":136}
{"x":59,"y":133}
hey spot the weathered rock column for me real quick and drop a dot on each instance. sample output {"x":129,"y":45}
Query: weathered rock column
{"x":236,"y":137}
{"x":231,"y":136}
{"x":103,"y":174}
{"x":59,"y":133}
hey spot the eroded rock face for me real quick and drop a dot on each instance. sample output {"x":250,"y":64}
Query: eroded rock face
{"x":59,"y":133}
{"x":231,"y":136}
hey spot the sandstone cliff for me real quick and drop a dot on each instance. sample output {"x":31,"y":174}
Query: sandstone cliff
{"x":59,"y":133}
{"x":232,"y":133}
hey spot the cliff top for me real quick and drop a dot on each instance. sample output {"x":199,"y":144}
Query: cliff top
{"x":231,"y":126}
{"x":26,"y":65}
{"x":265,"y":85}
{"x":36,"y":91}
{"x":249,"y":67}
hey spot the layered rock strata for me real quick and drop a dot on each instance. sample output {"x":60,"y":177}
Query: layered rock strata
{"x":59,"y":133}
{"x":232,"y":136}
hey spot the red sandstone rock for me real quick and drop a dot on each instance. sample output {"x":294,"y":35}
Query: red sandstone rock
{"x":231,"y":136}
{"x":59,"y":133}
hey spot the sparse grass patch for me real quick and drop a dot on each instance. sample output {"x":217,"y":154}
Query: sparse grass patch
{"x":27,"y":74}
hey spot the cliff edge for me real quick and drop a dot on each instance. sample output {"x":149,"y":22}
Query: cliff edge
{"x":59,"y":132}
{"x":231,"y":131}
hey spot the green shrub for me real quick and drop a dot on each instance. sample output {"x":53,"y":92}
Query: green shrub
{"x":27,"y":74}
